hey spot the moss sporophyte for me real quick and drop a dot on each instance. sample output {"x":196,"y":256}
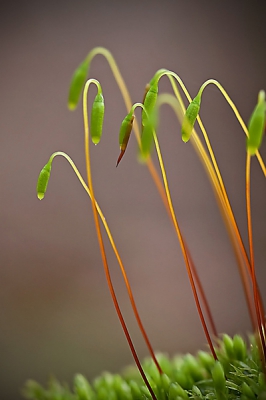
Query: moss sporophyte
{"x":231,"y":369}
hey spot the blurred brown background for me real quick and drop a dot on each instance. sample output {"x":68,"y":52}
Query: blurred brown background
{"x":56,"y":316}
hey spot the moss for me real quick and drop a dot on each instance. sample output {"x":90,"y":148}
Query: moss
{"x":237,"y":375}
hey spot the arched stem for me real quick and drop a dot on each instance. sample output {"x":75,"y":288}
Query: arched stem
{"x":100,"y":240}
{"x":118,"y":257}
{"x":128,"y":103}
{"x":221,"y":194}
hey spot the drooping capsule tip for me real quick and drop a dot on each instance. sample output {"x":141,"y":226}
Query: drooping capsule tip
{"x":256,"y":125}
{"x":252,"y":150}
{"x":187,"y":128}
{"x":122,"y":152}
{"x":43,"y":180}
{"x":142,"y":157}
{"x":97,"y":117}
{"x":77,"y":83}
{"x":95,"y":140}
{"x":261,"y":96}
{"x":124,"y":133}
{"x":71,"y":106}
{"x":40,"y":195}
{"x":190,"y":118}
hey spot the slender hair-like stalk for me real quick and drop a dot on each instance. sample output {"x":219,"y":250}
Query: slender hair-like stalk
{"x":260,"y":318}
{"x":100,"y":240}
{"x":146,"y":135}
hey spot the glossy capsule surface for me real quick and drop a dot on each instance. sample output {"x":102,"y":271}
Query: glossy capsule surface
{"x":190,"y":118}
{"x":43,"y":180}
{"x":97,"y":117}
{"x":256,"y":125}
{"x":77,"y":83}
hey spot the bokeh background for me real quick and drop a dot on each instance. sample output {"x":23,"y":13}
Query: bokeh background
{"x":56,"y":315}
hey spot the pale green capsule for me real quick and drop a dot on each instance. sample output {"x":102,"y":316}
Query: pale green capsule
{"x":147,"y":87}
{"x":43,"y":180}
{"x":256,"y":125}
{"x":149,"y":102}
{"x":153,"y":85}
{"x":190,"y":118}
{"x":77,"y":83}
{"x":147,"y":134}
{"x":125,"y":130}
{"x":97,"y":116}
{"x":124,"y":134}
{"x":146,"y":141}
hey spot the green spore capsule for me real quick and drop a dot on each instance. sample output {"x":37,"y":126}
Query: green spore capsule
{"x":97,"y":116}
{"x":43,"y":180}
{"x":256,"y":125}
{"x":124,"y":134}
{"x":147,"y":134}
{"x":149,"y":102}
{"x":147,"y":87}
{"x":190,"y":118}
{"x":153,"y":82}
{"x":146,"y":140}
{"x":77,"y":83}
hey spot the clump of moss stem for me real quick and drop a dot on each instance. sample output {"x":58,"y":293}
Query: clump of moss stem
{"x":231,"y":369}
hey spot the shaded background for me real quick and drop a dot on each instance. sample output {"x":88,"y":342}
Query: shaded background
{"x":56,"y":315}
